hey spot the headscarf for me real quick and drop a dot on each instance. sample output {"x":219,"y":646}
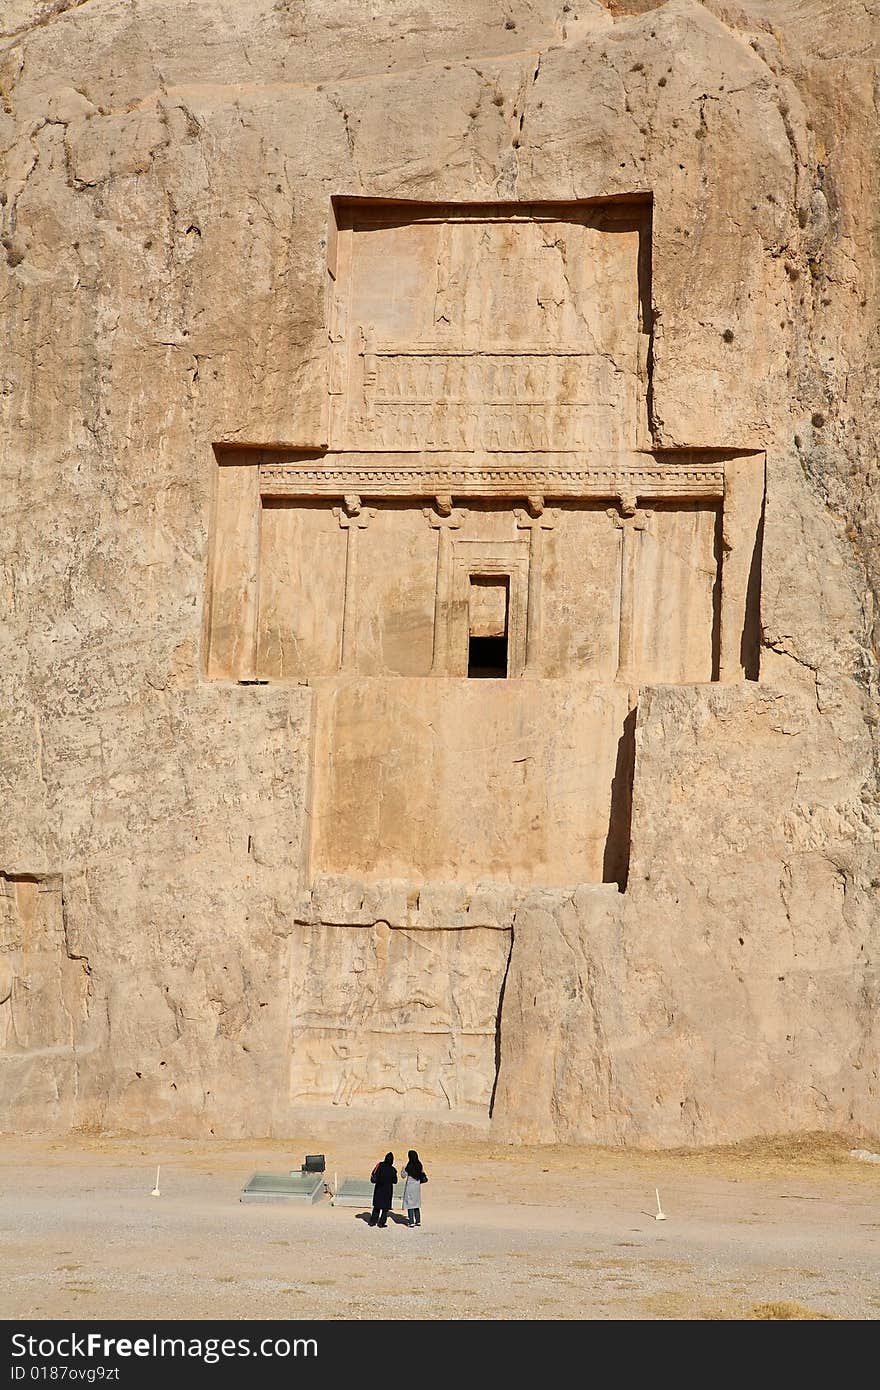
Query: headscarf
{"x":414,"y":1165}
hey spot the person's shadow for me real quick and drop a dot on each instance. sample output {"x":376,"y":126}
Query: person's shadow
{"x":393,"y":1216}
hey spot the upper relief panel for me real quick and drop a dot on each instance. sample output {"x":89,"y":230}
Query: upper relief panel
{"x":489,"y":329}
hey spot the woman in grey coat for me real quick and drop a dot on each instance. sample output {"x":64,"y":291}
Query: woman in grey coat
{"x":413,"y":1176}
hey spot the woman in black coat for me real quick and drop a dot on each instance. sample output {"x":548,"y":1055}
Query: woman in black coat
{"x":383,"y":1177}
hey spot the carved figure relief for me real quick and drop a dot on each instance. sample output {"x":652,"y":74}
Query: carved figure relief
{"x":44,"y":990}
{"x":396,"y":1016}
{"x":558,"y":291}
{"x":422,"y":398}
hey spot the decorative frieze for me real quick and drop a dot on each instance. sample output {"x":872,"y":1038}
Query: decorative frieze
{"x":557,"y":475}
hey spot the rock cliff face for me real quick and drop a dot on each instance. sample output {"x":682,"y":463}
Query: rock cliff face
{"x":206,"y":923}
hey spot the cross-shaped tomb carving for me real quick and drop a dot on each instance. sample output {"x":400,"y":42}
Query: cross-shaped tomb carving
{"x":488,"y":374}
{"x":486,"y":556}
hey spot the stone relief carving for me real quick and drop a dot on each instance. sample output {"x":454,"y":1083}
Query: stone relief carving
{"x":399,"y":1016}
{"x":44,"y":989}
{"x":517,"y":331}
{"x":544,"y":399}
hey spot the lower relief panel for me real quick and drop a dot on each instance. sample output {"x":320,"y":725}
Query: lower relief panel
{"x":43,"y":990}
{"x":396,"y":1018}
{"x":44,"y":1005}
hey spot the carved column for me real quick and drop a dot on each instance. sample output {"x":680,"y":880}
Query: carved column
{"x":536,"y":521}
{"x":444,"y":519}
{"x":353,"y":518}
{"x":630,"y":521}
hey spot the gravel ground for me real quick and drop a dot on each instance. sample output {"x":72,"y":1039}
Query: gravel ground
{"x":766,"y":1230}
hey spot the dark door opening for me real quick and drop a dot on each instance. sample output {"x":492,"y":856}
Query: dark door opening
{"x":488,"y":609}
{"x":487,"y":658}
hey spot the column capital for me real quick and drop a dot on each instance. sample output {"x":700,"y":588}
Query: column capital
{"x":529,"y":520}
{"x":639,"y":519}
{"x":352,"y":513}
{"x":443,"y":520}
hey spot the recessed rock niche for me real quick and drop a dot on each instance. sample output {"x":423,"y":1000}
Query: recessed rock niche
{"x":475,"y":572}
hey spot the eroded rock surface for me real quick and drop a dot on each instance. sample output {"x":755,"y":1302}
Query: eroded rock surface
{"x":588,"y":403}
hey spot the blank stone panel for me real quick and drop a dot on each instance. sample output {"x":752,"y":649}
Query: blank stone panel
{"x":387,"y":279}
{"x":676,"y":594}
{"x":487,"y":521}
{"x":397,"y":578}
{"x":580,"y":595}
{"x":302,"y":582}
{"x":465,"y":779}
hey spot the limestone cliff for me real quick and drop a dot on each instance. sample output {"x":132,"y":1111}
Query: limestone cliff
{"x":170,"y":959}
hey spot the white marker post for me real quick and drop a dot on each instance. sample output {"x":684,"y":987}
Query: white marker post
{"x":658,"y":1215}
{"x":155,"y":1192}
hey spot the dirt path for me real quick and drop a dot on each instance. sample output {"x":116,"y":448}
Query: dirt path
{"x":520,"y":1233}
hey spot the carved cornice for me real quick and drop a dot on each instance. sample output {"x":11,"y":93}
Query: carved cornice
{"x":558,"y":476}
